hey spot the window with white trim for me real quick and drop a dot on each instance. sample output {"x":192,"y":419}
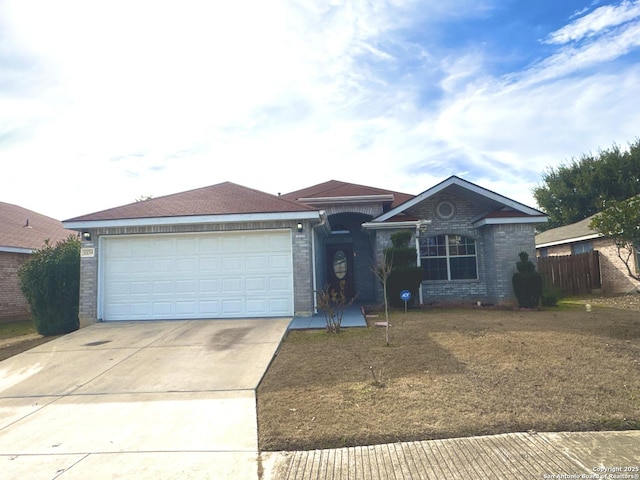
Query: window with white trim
{"x":449,"y":257}
{"x":582,"y":247}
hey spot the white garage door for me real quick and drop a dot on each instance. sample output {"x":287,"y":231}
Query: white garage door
{"x":212,"y":275}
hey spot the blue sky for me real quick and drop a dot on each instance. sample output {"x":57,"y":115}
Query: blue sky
{"x":104,"y":102}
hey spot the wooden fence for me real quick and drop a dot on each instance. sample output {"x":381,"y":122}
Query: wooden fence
{"x":571,"y":274}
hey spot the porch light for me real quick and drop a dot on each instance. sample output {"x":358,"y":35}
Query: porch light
{"x":86,"y":236}
{"x":299,"y":227}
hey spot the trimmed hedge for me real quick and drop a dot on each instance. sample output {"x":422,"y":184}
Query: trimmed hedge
{"x":527,"y":283}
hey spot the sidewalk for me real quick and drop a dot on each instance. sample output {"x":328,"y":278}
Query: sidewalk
{"x":597,"y":455}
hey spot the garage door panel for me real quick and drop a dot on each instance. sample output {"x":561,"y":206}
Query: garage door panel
{"x":186,"y":309}
{"x":163,"y":309}
{"x":210,"y":264}
{"x":142,"y":309}
{"x":256,"y":305}
{"x":186,"y":265}
{"x":233,"y":307}
{"x":187,"y":246}
{"x":256,"y":285}
{"x":232,"y":264}
{"x":257,"y":263}
{"x":210,"y":309}
{"x":232,"y":286}
{"x":209,"y":244}
{"x":164,"y":266}
{"x":279,"y":306}
{"x":207,"y":275}
{"x":140,"y":288}
{"x":212,"y":286}
{"x":279,"y":284}
{"x":186,"y":287}
{"x":279,"y":263}
{"x":164,"y":287}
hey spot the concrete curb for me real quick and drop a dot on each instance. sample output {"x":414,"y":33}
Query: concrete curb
{"x":508,"y":456}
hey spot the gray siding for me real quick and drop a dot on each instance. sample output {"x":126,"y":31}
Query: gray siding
{"x":497,"y":249}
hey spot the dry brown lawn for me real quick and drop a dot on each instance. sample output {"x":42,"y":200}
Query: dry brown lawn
{"x":454,"y":373}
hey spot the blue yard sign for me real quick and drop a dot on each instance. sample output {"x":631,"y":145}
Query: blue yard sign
{"x":405,"y":296}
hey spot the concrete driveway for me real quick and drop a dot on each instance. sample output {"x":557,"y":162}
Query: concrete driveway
{"x":157,"y":400}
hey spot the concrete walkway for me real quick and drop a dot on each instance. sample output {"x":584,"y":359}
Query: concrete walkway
{"x":157,"y":400}
{"x":353,"y":317}
{"x":601,"y":455}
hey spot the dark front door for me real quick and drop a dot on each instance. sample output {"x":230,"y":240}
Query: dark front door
{"x":340,"y":268}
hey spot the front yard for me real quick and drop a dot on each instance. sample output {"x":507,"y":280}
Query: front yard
{"x":454,"y":373}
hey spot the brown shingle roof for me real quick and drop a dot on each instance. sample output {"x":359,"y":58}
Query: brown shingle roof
{"x":220,"y":199}
{"x":335,"y":188}
{"x":22,"y":228}
{"x":567,"y":233}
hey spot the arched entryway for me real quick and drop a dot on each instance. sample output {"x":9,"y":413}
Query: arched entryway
{"x":349,"y":256}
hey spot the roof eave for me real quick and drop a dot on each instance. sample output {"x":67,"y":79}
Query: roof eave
{"x":17,"y":250}
{"x":346,"y":199}
{"x":453,"y":180}
{"x":385,"y":225}
{"x":509,"y":220}
{"x":193,"y":220}
{"x":569,"y":240}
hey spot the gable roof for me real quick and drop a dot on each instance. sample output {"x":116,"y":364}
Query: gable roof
{"x":337,"y":190}
{"x":500,"y":209}
{"x":221,"y":199}
{"x":23,"y":231}
{"x":576,"y":232}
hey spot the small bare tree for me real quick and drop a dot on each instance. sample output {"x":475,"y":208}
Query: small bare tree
{"x":382,"y":272}
{"x":333,"y":305}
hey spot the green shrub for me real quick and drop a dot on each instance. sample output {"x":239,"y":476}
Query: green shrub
{"x":401,"y":256}
{"x":404,"y":278}
{"x":50,"y":281}
{"x":550,"y":297}
{"x":401,"y":239}
{"x":405,"y":275}
{"x":527,"y":283}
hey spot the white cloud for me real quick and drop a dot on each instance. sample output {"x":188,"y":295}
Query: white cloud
{"x":150,"y":98}
{"x":600,"y":20}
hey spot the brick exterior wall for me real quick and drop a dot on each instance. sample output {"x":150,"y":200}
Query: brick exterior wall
{"x":302,"y":260}
{"x":497,"y":249}
{"x":613,"y":271}
{"x":13,"y":304}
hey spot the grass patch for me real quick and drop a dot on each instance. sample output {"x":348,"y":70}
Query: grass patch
{"x":16,"y":329}
{"x":454,"y":373}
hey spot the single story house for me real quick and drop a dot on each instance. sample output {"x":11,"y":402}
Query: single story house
{"x":580,"y":238}
{"x":228,"y":251}
{"x":21,"y":232}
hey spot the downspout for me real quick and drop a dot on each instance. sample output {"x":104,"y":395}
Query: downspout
{"x":314,"y":280}
{"x":418,"y":262}
{"x":421,"y":226}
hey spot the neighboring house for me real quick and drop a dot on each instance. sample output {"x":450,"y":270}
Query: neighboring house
{"x":21,"y":232}
{"x":228,"y":251}
{"x":579,"y":238}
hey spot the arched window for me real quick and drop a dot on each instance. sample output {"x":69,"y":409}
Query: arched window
{"x":449,"y":257}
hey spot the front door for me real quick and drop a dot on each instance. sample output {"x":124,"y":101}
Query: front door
{"x":340,"y":268}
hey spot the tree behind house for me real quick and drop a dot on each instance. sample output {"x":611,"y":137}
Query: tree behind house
{"x":576,"y":190}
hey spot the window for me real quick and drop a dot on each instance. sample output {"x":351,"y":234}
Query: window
{"x":582,"y":247}
{"x":449,"y":257}
{"x":445,"y":210}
